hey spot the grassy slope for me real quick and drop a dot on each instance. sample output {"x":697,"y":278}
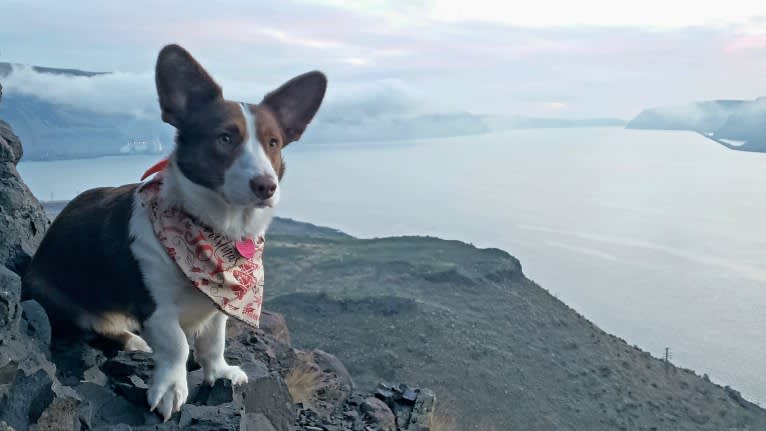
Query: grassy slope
{"x":499,"y":350}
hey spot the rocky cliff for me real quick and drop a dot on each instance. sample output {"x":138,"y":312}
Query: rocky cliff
{"x":48,"y":385}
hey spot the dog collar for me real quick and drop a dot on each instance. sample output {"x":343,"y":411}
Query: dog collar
{"x":228,"y":272}
{"x":157,"y":167}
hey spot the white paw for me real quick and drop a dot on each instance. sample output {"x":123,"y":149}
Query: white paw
{"x":137,"y":344}
{"x":168,"y":391}
{"x":225,"y":371}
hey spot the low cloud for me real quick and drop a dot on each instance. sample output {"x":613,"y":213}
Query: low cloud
{"x":117,"y":93}
{"x":352,"y":111}
{"x":134,"y":94}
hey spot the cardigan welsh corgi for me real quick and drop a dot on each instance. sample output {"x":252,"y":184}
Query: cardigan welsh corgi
{"x":101,"y":267}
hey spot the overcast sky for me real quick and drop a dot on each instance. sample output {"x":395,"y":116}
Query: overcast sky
{"x":551,"y":58}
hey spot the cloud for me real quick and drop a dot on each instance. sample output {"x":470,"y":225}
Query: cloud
{"x":130,"y":93}
{"x":557,"y":13}
{"x":134,"y":94}
{"x":595,"y":57}
{"x":746,"y":42}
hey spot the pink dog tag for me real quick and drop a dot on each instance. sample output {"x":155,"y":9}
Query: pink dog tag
{"x":246,"y":248}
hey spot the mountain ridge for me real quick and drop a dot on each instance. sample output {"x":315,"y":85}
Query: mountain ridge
{"x":6,"y":68}
{"x":733,"y":123}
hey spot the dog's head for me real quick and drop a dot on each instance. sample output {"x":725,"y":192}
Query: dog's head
{"x":232,"y":148}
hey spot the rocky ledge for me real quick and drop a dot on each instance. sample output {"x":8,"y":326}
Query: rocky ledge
{"x":54,"y":385}
{"x":288,"y":389}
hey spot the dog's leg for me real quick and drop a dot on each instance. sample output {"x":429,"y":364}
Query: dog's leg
{"x":169,"y":388}
{"x":208,"y":348}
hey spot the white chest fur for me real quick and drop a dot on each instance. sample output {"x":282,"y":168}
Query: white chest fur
{"x":171,"y":290}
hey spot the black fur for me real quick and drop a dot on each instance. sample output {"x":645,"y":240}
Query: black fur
{"x":84,"y":263}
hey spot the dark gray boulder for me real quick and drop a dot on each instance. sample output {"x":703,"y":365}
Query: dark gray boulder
{"x":28,"y":384}
{"x":30,"y":396}
{"x":27,"y":378}
{"x":378,"y":414}
{"x":10,"y":292}
{"x":10,"y":146}
{"x":22,"y":219}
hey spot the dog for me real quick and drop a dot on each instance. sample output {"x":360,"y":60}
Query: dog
{"x":103,"y":268}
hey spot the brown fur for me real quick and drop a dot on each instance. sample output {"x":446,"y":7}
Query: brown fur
{"x":200,"y":153}
{"x":267,"y":128}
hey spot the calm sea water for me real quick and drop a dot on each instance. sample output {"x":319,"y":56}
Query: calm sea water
{"x":657,"y":237}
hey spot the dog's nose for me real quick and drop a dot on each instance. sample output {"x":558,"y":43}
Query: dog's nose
{"x":263,"y":186}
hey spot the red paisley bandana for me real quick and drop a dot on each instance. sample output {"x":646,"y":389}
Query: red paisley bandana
{"x":228,"y":272}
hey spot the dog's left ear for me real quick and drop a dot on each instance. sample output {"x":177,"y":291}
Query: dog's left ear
{"x":296,"y":102}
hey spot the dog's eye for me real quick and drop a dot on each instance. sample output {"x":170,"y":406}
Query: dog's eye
{"x":273,"y":143}
{"x":224,"y":139}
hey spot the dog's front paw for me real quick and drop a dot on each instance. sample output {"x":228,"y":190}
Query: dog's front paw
{"x":226,"y":371}
{"x":168,"y":391}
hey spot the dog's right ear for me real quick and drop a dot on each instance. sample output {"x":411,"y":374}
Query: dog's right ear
{"x":182,"y":84}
